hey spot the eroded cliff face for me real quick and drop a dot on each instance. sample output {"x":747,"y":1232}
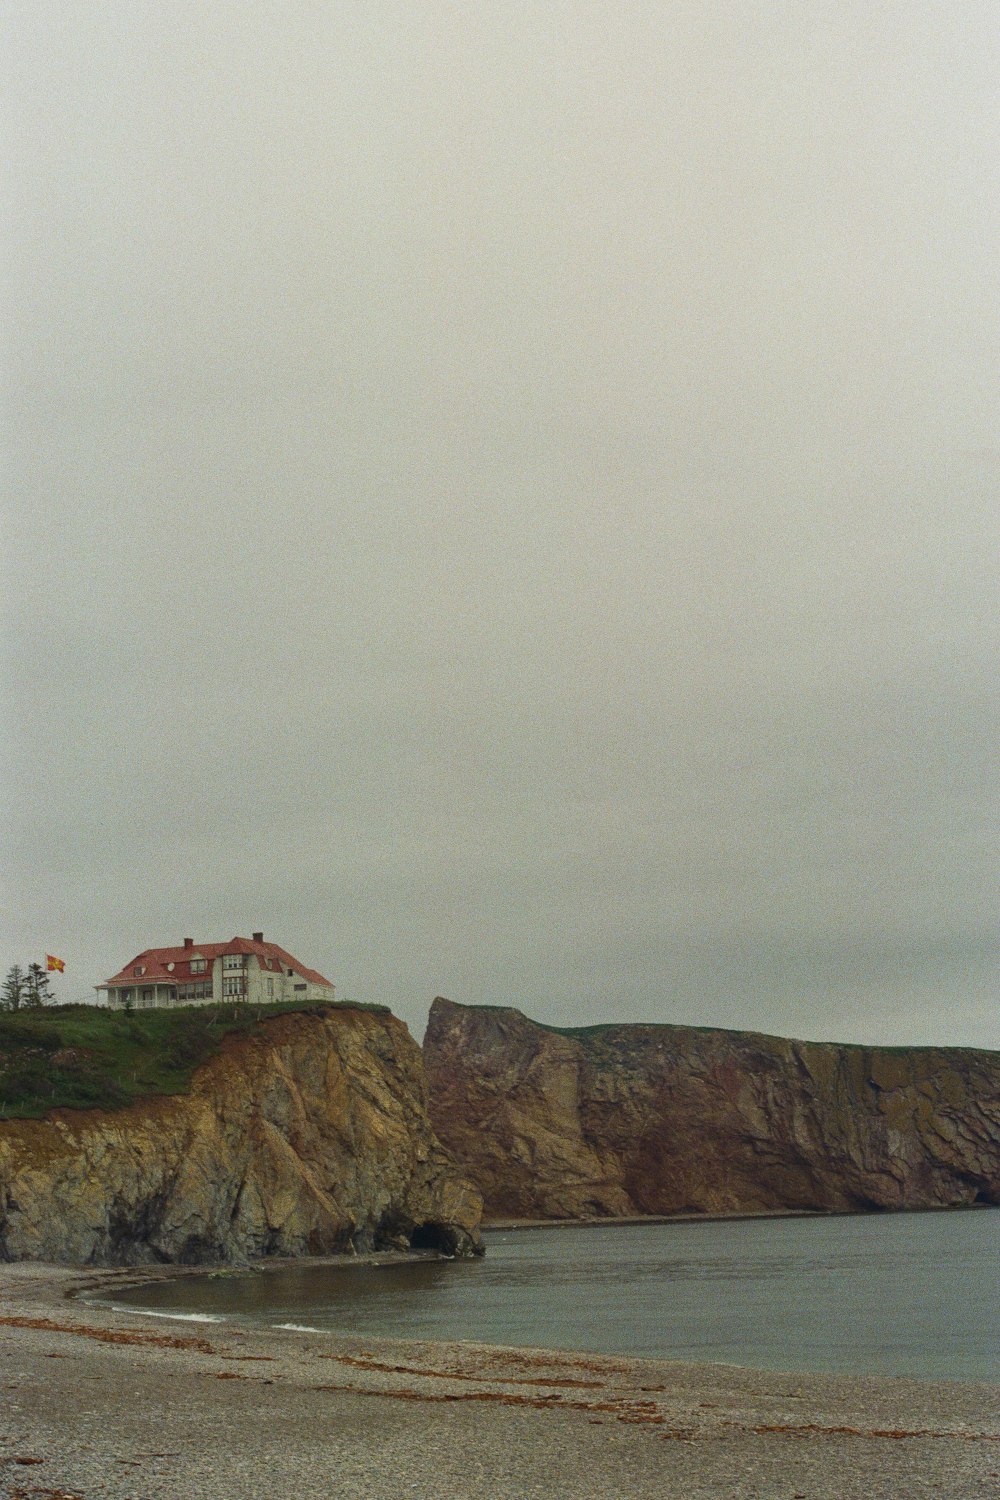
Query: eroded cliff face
{"x":668,"y":1119}
{"x":307,"y":1136}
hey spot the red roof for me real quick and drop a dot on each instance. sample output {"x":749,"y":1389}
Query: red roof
{"x":173,"y":965}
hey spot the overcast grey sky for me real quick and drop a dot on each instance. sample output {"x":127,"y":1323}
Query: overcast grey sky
{"x":503,"y":498}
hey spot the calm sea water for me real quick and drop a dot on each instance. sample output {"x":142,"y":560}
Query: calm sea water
{"x":901,"y":1294}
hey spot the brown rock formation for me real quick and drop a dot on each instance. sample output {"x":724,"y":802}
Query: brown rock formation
{"x":308,"y":1135}
{"x":670,"y":1119}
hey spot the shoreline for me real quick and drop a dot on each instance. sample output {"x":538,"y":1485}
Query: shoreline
{"x":610,"y":1221}
{"x":627,"y":1221}
{"x":104,"y":1404}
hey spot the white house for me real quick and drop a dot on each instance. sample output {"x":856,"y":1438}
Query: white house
{"x":242,"y":969}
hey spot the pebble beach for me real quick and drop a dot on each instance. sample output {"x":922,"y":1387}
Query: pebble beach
{"x":99,"y":1404}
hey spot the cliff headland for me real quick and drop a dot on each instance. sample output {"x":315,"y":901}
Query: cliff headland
{"x":631,"y":1119}
{"x":306,"y":1134}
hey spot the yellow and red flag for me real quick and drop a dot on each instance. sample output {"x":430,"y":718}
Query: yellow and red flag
{"x":54,"y":963}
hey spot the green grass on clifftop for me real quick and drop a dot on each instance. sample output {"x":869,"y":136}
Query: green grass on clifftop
{"x":83,"y":1057}
{"x":612,"y":1030}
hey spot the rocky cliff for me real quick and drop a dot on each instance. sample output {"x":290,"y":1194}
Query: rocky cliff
{"x":670,"y":1119}
{"x":308,"y":1135}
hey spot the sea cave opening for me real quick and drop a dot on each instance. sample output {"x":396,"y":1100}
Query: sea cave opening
{"x":432,"y":1236}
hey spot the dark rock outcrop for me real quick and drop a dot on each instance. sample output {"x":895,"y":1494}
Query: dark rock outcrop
{"x":308,"y":1135}
{"x":629,"y":1119}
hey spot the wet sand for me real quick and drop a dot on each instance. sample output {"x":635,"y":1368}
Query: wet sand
{"x":106,"y":1405}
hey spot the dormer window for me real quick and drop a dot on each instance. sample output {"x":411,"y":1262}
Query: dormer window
{"x":139,"y":971}
{"x":197,"y":966}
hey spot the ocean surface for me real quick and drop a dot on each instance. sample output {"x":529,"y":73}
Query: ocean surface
{"x":888,"y":1294}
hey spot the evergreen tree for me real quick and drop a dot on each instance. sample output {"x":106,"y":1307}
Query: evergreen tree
{"x":37,"y":987}
{"x":13,"y":989}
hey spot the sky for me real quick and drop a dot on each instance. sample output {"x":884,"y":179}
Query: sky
{"x":503,"y":499}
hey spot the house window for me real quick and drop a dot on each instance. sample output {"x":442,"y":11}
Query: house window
{"x":234,"y":961}
{"x":299,"y":987}
{"x":139,"y":972}
{"x":125,"y":997}
{"x":197,"y":966}
{"x":190,"y":992}
{"x":270,"y":989}
{"x":234,"y":986}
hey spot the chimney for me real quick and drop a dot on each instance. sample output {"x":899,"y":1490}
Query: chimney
{"x":189,"y":942}
{"x":258,"y":937}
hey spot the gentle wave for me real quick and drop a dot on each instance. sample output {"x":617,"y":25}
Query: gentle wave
{"x":299,"y":1328}
{"x":177,"y":1317}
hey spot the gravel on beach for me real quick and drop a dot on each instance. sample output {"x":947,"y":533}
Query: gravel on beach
{"x":97,"y":1404}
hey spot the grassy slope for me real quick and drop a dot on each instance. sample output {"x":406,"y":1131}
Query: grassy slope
{"x":84,"y":1057}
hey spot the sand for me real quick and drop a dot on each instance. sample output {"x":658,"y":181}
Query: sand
{"x":105,"y":1405}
